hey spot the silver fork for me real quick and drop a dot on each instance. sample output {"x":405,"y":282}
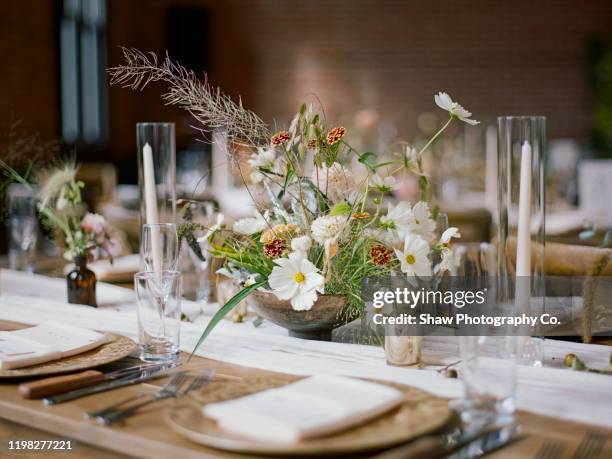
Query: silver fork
{"x":199,"y":381}
{"x":591,"y":445}
{"x":116,"y":406}
{"x":169,"y":390}
{"x":550,"y":449}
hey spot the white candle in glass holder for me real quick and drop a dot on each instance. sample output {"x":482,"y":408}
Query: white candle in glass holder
{"x":523,"y":246}
{"x":151,"y":205}
{"x":491,"y":169}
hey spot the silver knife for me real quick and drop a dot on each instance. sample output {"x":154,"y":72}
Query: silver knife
{"x":145,"y":374}
{"x":487,"y":443}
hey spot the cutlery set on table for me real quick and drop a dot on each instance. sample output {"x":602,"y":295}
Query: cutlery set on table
{"x":60,"y":389}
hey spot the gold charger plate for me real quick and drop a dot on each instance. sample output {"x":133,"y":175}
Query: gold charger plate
{"x":419,"y":414}
{"x":116,"y":348}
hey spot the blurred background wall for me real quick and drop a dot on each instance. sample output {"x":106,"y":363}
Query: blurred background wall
{"x":372,"y":64}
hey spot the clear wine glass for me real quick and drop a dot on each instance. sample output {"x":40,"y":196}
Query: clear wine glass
{"x":159,"y":247}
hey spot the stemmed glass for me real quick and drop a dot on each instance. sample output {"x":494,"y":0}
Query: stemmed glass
{"x":159,"y":252}
{"x":159,"y":247}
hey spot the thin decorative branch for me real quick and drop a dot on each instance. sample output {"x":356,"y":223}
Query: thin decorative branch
{"x":207,"y":104}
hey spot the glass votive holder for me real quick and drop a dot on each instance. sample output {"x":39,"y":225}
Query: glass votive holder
{"x":158,"y":297}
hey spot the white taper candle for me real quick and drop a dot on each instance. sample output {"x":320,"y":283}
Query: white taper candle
{"x":151,"y":206}
{"x":523,"y":246}
{"x":523,"y":243}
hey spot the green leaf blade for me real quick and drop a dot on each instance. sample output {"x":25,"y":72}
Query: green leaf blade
{"x":224,"y":310}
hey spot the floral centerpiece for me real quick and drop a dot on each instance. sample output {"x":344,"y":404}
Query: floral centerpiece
{"x":328,"y":220}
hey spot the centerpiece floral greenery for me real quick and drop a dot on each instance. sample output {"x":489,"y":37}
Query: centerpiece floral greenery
{"x":328,"y":221}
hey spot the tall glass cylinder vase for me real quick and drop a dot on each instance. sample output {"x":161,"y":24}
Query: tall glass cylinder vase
{"x":156,"y":172}
{"x":521,"y":225}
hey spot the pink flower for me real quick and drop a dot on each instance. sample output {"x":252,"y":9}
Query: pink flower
{"x":94,"y":223}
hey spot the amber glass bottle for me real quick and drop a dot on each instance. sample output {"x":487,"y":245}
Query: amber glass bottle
{"x":81,"y":283}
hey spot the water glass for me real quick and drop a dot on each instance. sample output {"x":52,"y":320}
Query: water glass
{"x":159,"y":314}
{"x":22,"y":232}
{"x":488,"y":365}
{"x":159,"y":247}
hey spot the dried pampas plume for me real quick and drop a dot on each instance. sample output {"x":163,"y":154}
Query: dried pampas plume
{"x":207,"y":104}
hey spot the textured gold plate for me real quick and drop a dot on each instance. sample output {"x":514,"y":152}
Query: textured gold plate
{"x":118,"y":347}
{"x":419,"y":414}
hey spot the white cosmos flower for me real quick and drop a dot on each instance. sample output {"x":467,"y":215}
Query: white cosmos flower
{"x":301,"y":244}
{"x":296,"y":279}
{"x":398,"y":218}
{"x":421,"y":223}
{"x":328,"y":228}
{"x":448,"y":234}
{"x":252,"y":225}
{"x":414,"y":258}
{"x":264,"y":158}
{"x":384,"y":185}
{"x":444,"y":101}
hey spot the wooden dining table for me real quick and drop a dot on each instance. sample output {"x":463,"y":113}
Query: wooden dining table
{"x":146,"y":435}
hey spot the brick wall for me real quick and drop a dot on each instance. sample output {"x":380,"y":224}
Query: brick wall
{"x":29,"y":86}
{"x":385,"y":56}
{"x":495,"y":57}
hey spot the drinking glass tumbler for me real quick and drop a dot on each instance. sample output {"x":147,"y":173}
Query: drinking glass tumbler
{"x":22,"y":228}
{"x":159,"y":314}
{"x":488,"y":365}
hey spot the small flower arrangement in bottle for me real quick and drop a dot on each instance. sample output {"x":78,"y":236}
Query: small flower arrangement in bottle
{"x":82,"y":235}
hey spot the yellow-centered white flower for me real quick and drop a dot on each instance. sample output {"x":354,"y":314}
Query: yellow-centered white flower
{"x":386,"y":184}
{"x":414,"y":257}
{"x":444,"y":101}
{"x":296,"y":279}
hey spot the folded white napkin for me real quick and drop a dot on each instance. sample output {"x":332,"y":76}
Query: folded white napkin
{"x":45,"y":342}
{"x":314,"y":406}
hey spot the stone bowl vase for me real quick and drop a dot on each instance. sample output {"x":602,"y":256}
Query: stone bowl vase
{"x":328,"y":312}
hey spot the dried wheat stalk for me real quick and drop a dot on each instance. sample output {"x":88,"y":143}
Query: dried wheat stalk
{"x":207,"y":104}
